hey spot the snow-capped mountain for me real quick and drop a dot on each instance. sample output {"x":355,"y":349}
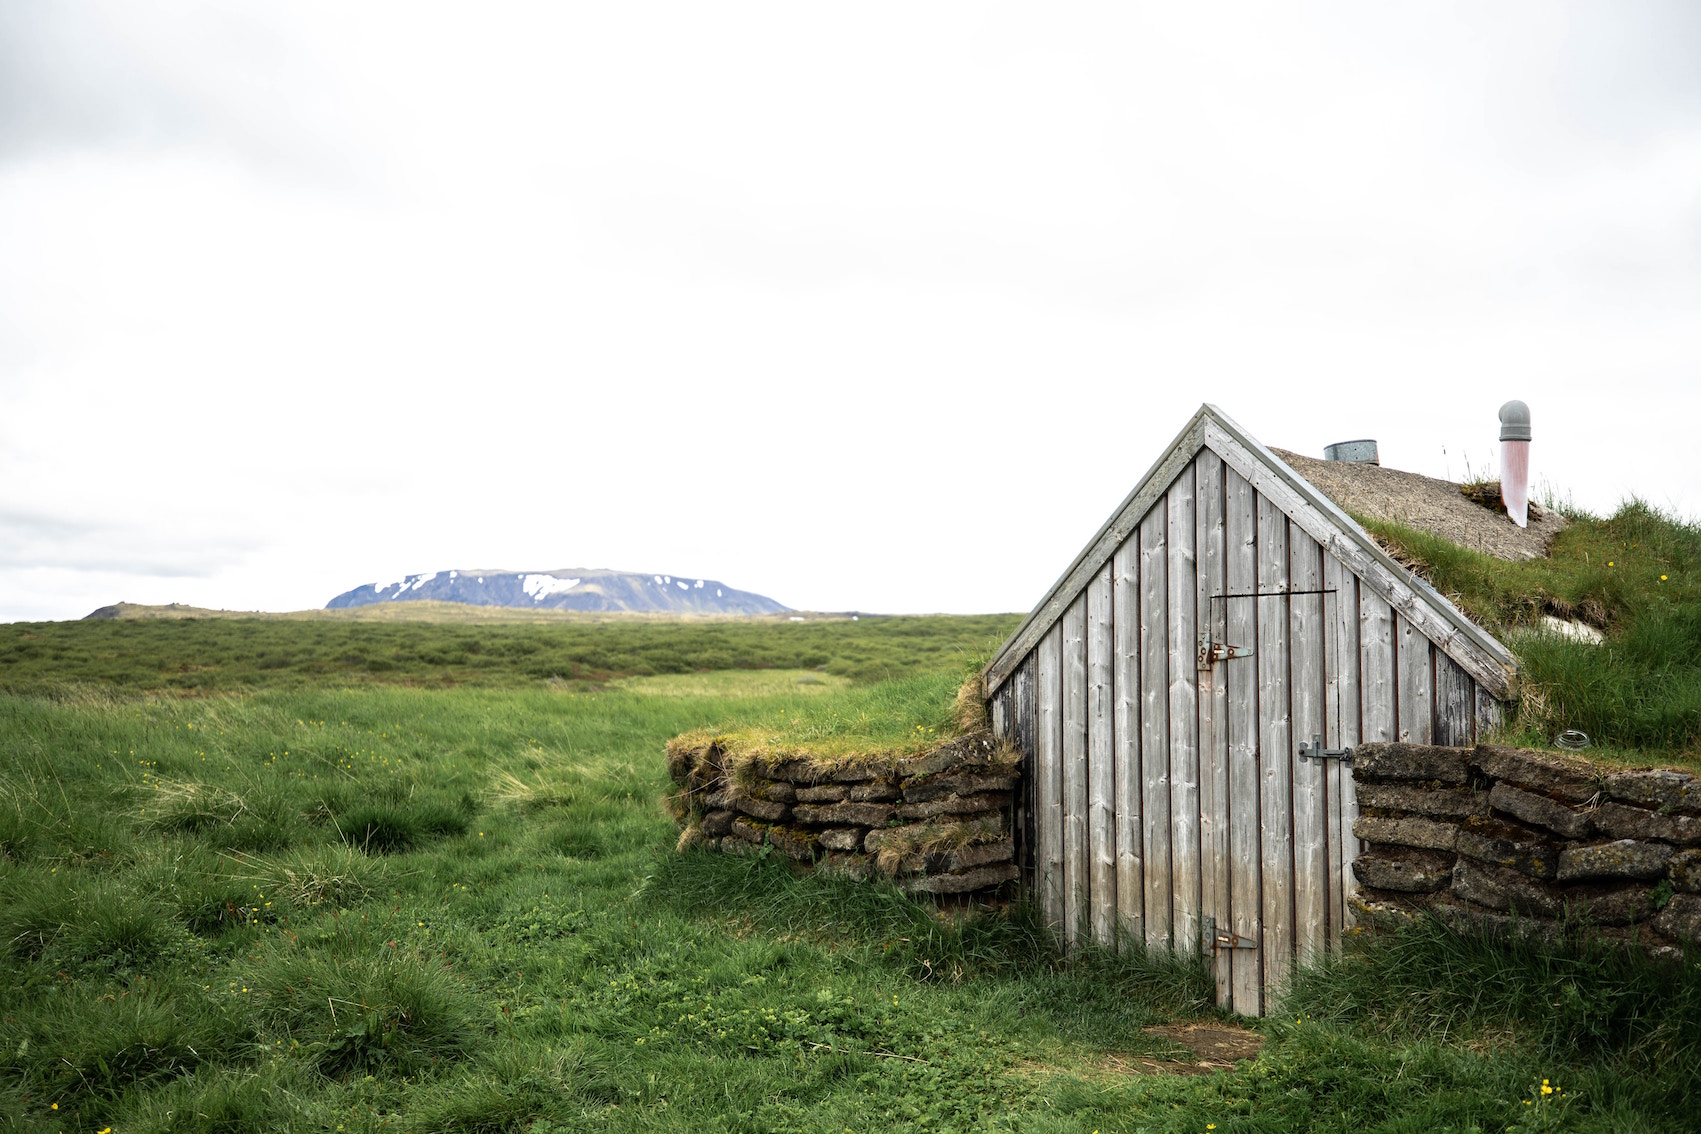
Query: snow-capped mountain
{"x":564,"y":590}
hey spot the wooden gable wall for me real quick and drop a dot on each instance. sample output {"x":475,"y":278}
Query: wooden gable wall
{"x":1147,"y":776}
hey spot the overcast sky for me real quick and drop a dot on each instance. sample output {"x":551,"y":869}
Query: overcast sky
{"x":880,"y":307}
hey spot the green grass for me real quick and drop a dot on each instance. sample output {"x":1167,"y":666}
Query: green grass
{"x":197,"y":655}
{"x":1637,"y":577}
{"x":369,"y":906}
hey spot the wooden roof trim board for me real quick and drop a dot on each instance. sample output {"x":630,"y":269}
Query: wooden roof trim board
{"x":1476,"y":651}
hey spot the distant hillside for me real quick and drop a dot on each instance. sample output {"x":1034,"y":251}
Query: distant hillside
{"x":564,"y":590}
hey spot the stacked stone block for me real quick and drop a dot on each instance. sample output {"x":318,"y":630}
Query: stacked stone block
{"x":939,"y":823}
{"x":1518,"y":841}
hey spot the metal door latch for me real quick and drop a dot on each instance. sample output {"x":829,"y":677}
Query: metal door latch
{"x":1316,"y":751}
{"x":1210,"y":653}
{"x":1224,"y":940}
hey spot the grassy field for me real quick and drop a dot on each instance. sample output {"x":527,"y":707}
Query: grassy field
{"x":336,"y":899}
{"x":213,"y":654}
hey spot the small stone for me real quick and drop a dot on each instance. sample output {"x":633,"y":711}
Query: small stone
{"x":842,"y":839}
{"x":920,"y":791}
{"x":955,"y":805}
{"x":722,"y":799}
{"x":963,"y":831}
{"x":981,"y":878}
{"x":1540,"y":811}
{"x":1681,"y":918}
{"x":778,"y":791}
{"x":1425,"y":834}
{"x":822,"y":793}
{"x":1380,"y":915}
{"x":718,"y":823}
{"x":1684,"y":870}
{"x":933,"y":762}
{"x":1449,"y":803}
{"x":1615,"y":907}
{"x":794,"y":844}
{"x":1566,"y":777}
{"x":1622,"y":821}
{"x":1418,"y":872}
{"x":845,"y":813}
{"x":966,"y":858}
{"x":856,"y":867}
{"x":1394,"y":761}
{"x":1656,"y":787}
{"x":792,"y":771}
{"x":1506,"y":844}
{"x":744,"y":829}
{"x":875,"y":791}
{"x":858,"y":773}
{"x":733,"y":844}
{"x":767,"y":810}
{"x":1626,"y":858}
{"x":1502,"y":889}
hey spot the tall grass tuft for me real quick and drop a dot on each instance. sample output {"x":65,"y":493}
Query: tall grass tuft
{"x":928,"y":941}
{"x":1590,"y":1001}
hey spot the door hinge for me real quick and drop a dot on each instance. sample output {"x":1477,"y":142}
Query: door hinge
{"x":1316,"y":751}
{"x":1224,"y":940}
{"x":1210,"y":653}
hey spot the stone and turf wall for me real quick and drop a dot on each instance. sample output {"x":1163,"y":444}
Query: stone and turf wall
{"x":938,"y":823}
{"x":1520,"y":842}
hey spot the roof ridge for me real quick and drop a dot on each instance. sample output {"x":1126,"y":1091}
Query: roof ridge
{"x":1429,"y":611}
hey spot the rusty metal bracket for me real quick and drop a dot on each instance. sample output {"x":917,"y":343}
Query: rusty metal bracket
{"x":1210,"y":653}
{"x":1316,"y":751}
{"x":1223,"y":940}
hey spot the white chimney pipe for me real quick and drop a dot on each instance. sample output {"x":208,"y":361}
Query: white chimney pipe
{"x":1515,"y":461}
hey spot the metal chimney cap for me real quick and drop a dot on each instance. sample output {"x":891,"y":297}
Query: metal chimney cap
{"x":1514,"y":421}
{"x":1358,"y":452}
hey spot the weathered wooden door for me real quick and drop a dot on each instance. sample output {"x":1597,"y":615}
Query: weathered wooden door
{"x":1279,"y":818}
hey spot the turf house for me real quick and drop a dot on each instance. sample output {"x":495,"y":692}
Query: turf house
{"x":1183,"y":698}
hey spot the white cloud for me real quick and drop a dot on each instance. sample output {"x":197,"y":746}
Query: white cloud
{"x":273,"y":278}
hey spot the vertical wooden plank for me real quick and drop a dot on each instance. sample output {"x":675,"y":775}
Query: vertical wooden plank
{"x":1307,"y":643}
{"x":1023,"y":703}
{"x":1454,"y":703}
{"x":1213,"y":716}
{"x":1377,"y":688}
{"x":1074,"y":769}
{"x":1416,"y":707}
{"x":1101,"y":761}
{"x":1488,"y":714}
{"x":1021,"y":717}
{"x":1343,"y":721}
{"x":1130,"y":842}
{"x":1275,"y":747}
{"x":1241,"y":677}
{"x":1183,"y":712}
{"x":1048,"y":810}
{"x":1154,"y":724}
